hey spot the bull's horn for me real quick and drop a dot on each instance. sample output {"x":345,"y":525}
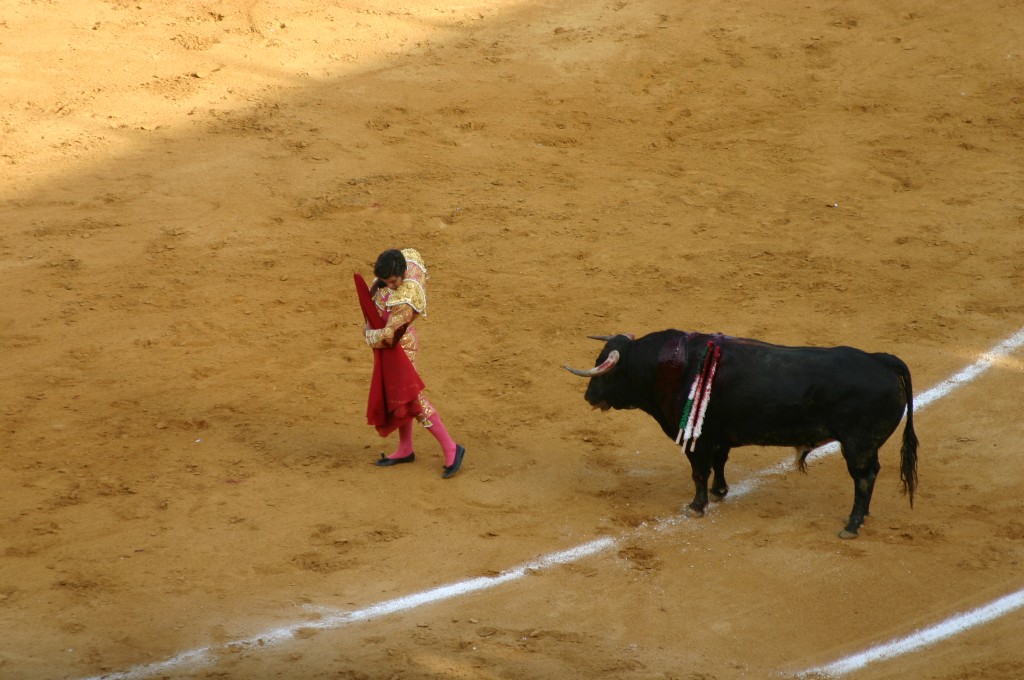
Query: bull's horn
{"x":607,"y":365}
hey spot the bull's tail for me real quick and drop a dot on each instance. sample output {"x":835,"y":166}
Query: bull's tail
{"x":908,"y":452}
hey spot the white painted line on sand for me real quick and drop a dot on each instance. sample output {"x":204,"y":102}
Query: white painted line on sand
{"x":984,"y":362}
{"x":334,"y":618}
{"x":922,"y":638}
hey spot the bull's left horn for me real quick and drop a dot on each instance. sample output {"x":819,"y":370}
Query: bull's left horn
{"x":607,"y":365}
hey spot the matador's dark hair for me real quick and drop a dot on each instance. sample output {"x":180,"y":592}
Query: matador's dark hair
{"x":390,"y":263}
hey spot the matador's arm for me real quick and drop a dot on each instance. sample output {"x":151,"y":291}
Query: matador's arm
{"x":385,"y":337}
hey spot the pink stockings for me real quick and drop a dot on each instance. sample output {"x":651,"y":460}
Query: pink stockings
{"x":437,"y":429}
{"x":440,"y":433}
{"x":404,"y":441}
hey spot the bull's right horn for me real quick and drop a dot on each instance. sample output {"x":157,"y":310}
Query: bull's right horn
{"x":605,"y":366}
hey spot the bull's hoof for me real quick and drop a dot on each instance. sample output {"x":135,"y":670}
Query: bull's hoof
{"x":718,"y":496}
{"x":846,"y":534}
{"x":693,"y":512}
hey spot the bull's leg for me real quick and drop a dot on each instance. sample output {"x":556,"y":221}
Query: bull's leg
{"x":863,"y":467}
{"x":719,"y":487}
{"x":801,"y":457}
{"x":700,"y":468}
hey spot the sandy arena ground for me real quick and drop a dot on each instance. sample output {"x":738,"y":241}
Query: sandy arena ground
{"x":186,"y":188}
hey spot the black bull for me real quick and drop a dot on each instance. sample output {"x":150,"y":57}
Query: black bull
{"x":767,"y":395}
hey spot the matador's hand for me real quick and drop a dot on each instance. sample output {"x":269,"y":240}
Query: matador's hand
{"x":373,"y":337}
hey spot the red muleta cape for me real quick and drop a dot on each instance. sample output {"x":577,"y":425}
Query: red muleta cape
{"x":395,"y":385}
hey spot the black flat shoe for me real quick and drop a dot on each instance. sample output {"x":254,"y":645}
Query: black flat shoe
{"x":388,"y":462}
{"x":450,"y":470}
